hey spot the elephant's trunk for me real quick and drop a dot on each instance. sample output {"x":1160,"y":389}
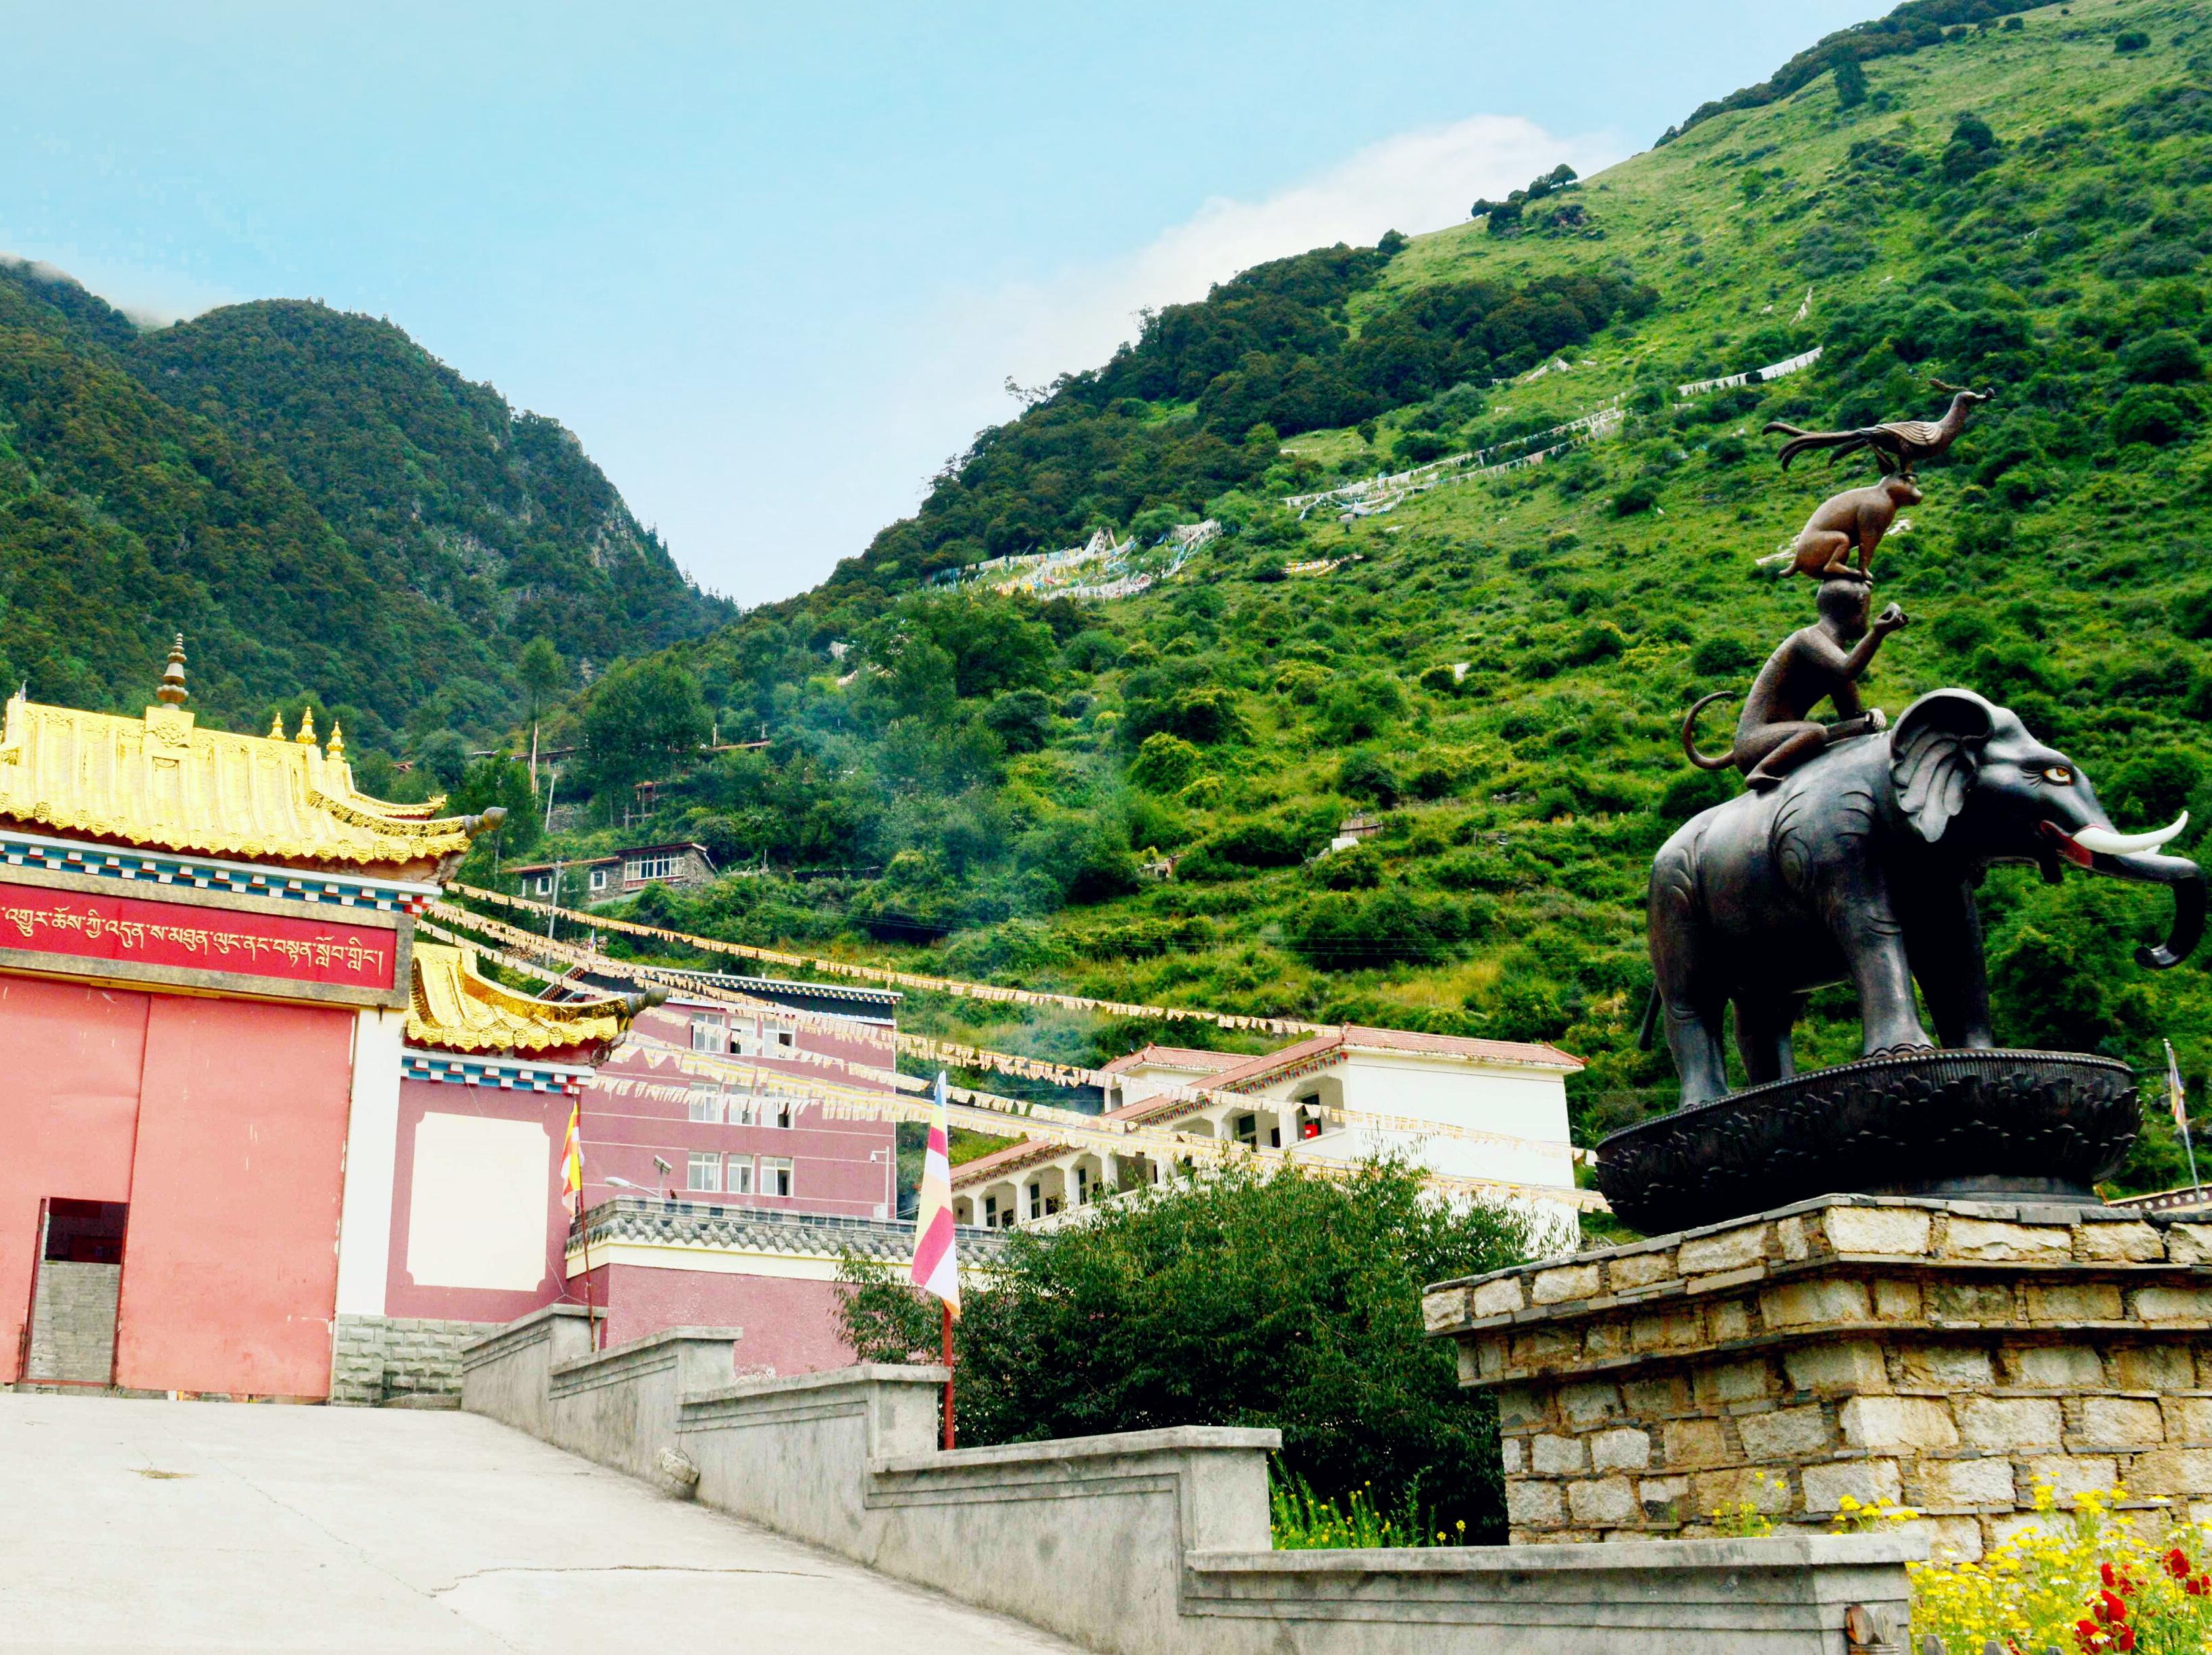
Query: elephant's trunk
{"x":2187,"y":882}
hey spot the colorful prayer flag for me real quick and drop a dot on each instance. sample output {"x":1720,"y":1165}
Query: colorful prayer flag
{"x":934,"y":1269}
{"x":572,"y":1158}
{"x":2175,"y":1095}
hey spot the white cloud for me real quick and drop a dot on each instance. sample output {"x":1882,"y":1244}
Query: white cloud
{"x":1416,"y":181}
{"x":149,"y":297}
{"x":953,"y":383}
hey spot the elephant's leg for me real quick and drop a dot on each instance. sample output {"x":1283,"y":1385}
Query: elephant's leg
{"x":1866,"y":929}
{"x":1944,"y":945}
{"x":1762,"y":1035}
{"x":1691,"y":1002}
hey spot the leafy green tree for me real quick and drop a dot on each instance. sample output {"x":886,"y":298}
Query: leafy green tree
{"x":504,"y":781}
{"x":543,"y":673}
{"x":1850,"y":83}
{"x":1290,"y":1301}
{"x":641,"y":719}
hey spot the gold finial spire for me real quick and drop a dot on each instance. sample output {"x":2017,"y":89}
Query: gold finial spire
{"x":276,"y":725}
{"x":172,"y":688}
{"x":307,"y":736}
{"x":338,"y":740}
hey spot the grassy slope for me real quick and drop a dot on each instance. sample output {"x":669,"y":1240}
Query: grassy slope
{"x":2062,"y":600}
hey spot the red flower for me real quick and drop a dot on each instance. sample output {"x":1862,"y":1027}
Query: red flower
{"x":2176,"y":1563}
{"x":2107,"y":1573}
{"x":2085,"y":1634}
{"x":2109,"y":1609}
{"x":2124,"y":1639}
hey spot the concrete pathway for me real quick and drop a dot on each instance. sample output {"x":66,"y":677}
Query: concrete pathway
{"x":139,"y":1526}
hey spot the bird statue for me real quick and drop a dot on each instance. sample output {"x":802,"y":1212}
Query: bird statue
{"x":1898,"y":445}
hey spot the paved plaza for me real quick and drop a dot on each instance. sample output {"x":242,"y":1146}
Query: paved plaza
{"x":140,"y":1526}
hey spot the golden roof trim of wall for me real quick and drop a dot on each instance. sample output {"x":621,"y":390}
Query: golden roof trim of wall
{"x":454,"y":1005}
{"x":162,"y":782}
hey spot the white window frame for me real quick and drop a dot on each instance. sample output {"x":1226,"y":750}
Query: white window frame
{"x":706,"y":1104}
{"x":710,"y":1033}
{"x":598,"y":879}
{"x":706,"y":1163}
{"x":642,"y":870}
{"x":738,"y":1175}
{"x":777,"y":1177}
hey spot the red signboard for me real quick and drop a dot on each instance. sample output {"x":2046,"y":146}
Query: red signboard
{"x":135,"y":931}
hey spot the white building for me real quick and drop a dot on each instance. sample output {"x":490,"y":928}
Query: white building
{"x":1465,"y":1108}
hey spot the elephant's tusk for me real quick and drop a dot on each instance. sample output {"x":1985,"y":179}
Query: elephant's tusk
{"x":2106,"y":843}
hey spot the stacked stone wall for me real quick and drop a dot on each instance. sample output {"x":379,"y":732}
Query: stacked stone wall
{"x":73,"y":1322}
{"x":376,"y":1359}
{"x":1948,"y":1357}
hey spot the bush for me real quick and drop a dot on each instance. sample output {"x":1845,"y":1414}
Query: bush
{"x":1368,"y":777}
{"x":2131,"y":39}
{"x":1635,"y":498}
{"x":1599,"y":640}
{"x":2166,"y":357}
{"x":2151,"y":789}
{"x":1343,"y":933}
{"x":1694,"y":791}
{"x":1165,"y":763}
{"x":1290,"y":1301}
{"x":1359,"y":710}
{"x":2155,"y":415}
{"x":1356,"y":868}
{"x":1720,"y":655}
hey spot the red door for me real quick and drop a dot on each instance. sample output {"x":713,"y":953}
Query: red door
{"x":230,"y":1268}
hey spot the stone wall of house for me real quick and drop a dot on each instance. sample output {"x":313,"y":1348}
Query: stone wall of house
{"x":376,"y":1359}
{"x":1948,"y":1356}
{"x":72,"y":1322}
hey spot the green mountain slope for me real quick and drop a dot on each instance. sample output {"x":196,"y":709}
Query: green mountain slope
{"x":1500,"y":666}
{"x":318,"y":503}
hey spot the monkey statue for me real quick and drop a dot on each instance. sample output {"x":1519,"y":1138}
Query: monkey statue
{"x":1855,"y":519}
{"x":1776,"y":733}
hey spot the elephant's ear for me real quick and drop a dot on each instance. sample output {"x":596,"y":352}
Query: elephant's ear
{"x":1935,"y":753}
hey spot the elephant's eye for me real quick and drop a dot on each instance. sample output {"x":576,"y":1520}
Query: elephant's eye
{"x":2058,"y":775}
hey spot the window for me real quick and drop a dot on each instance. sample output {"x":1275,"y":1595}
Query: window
{"x":598,"y":879}
{"x":774,"y":1175}
{"x":743,"y":1109}
{"x":741,"y":1175}
{"x":1248,"y":1130}
{"x":1037,"y":1201}
{"x":660,"y":865}
{"x":710,"y":1033}
{"x":705,"y":1172}
{"x":990,"y":1212}
{"x":787,"y":1038}
{"x":1308,"y":1115}
{"x":543,"y":885}
{"x":1082,"y":1185}
{"x":706,"y":1106}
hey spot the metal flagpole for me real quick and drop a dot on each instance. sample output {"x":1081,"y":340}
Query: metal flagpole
{"x":2179,"y":1099}
{"x":945,"y":1311}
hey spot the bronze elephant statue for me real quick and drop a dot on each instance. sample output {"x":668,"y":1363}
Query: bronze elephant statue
{"x":1861,"y":867}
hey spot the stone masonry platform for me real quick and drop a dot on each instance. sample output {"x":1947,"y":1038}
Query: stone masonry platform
{"x":1948,"y":1354}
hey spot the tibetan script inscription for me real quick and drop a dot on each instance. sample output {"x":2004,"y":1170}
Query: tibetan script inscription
{"x":136,"y":931}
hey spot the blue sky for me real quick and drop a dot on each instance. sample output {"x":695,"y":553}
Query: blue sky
{"x":774,"y":264}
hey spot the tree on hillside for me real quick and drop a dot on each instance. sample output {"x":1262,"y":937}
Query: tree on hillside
{"x":544,"y":675}
{"x":1291,"y":1300}
{"x":642,"y":717}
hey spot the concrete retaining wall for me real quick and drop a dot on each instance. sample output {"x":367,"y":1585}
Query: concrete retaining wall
{"x":1144,"y":1542}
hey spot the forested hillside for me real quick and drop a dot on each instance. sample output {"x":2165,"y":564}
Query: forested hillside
{"x":320,"y":506}
{"x":1972,"y":192}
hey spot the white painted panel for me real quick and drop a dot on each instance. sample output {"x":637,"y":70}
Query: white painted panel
{"x":371,"y":1153}
{"x":476,"y":1216}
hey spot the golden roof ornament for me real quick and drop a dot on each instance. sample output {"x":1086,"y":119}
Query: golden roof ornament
{"x":276,"y":725}
{"x":171,"y":689}
{"x":307,"y":736}
{"x":338,"y":740}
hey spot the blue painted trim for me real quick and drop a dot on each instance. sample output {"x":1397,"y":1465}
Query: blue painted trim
{"x":507,"y":1075}
{"x":148,"y":867}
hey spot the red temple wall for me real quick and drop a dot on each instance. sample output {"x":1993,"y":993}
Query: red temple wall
{"x":230,"y":1263}
{"x":790,"y":1324}
{"x":404,"y":1296}
{"x":68,"y":1113}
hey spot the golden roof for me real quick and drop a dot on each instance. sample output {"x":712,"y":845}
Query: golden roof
{"x":457,"y":1007}
{"x":161,"y":782}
